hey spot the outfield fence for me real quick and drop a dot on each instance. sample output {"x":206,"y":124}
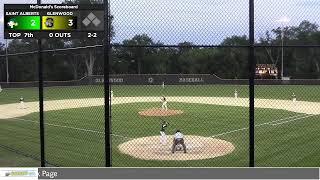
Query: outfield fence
{"x":159,"y":79}
{"x":173,"y":84}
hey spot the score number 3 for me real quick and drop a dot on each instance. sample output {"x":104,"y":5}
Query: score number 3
{"x":70,"y":24}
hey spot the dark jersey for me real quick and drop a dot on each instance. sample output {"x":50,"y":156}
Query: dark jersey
{"x":21,"y":99}
{"x":163,"y":127}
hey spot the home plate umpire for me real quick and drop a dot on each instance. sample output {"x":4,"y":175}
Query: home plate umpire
{"x":178,"y":140}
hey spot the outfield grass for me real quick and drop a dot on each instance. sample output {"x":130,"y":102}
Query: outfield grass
{"x":15,"y":159}
{"x":305,"y":93}
{"x":74,"y":137}
{"x":291,"y":144}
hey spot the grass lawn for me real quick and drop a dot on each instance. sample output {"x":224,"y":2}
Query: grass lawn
{"x":8,"y":158}
{"x":74,"y":137}
{"x":305,"y":93}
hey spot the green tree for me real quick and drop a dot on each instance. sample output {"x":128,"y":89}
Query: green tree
{"x":2,"y":63}
{"x":185,"y":46}
{"x":112,"y":33}
{"x":137,"y":49}
{"x":298,"y":62}
{"x":302,"y":62}
{"x":235,"y":60}
{"x":23,"y":67}
{"x":92,"y":62}
{"x":199,"y":61}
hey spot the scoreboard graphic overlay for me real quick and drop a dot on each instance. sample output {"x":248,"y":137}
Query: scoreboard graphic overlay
{"x":53,"y":21}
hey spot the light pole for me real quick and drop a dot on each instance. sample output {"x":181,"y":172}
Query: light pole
{"x":282,"y":51}
{"x":282,"y":21}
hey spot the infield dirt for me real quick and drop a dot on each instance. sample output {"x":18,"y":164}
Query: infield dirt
{"x":8,"y":111}
{"x":198,"y":147}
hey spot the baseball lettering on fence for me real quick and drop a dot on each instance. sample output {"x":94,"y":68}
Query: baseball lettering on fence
{"x":191,"y":80}
{"x":116,"y":80}
{"x":111,"y":80}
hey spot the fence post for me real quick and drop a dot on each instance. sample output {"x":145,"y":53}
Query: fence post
{"x":7,"y":62}
{"x":107,"y":110}
{"x":251,"y":83}
{"x":40,"y":71}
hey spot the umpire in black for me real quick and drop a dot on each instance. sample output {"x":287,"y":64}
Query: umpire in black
{"x":178,"y":139}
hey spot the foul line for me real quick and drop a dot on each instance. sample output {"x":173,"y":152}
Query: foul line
{"x":273,"y":123}
{"x":283,"y":122}
{"x":297,"y":117}
{"x":70,"y":127}
{"x":291,"y":117}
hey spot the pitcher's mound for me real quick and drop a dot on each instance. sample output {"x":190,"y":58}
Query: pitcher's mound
{"x":160,"y":112}
{"x":198,"y":147}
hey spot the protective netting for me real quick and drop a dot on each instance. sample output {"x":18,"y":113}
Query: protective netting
{"x":179,"y":92}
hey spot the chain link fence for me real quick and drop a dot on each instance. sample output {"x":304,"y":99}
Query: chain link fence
{"x":288,"y":39}
{"x":179,"y":89}
{"x":19,"y":135}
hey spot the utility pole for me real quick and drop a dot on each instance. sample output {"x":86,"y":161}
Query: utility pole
{"x":282,"y":20}
{"x":282,"y":51}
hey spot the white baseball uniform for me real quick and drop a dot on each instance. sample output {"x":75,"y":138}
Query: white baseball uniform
{"x":163,"y":136}
{"x":164,"y":104}
{"x":294,"y":98}
{"x":22,"y":106}
{"x":111,"y":94}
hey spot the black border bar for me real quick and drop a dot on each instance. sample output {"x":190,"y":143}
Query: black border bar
{"x":27,"y":7}
{"x":182,"y":173}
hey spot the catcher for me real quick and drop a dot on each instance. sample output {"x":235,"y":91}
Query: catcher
{"x":177,"y":140}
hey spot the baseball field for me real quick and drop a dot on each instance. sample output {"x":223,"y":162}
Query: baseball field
{"x":214,"y":122}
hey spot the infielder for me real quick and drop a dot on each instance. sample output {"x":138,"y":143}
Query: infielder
{"x":294,"y":98}
{"x":111,"y":94}
{"x":236,"y":94}
{"x":163,"y":136}
{"x":177,"y":140}
{"x":22,"y":106}
{"x":164,"y":103}
{"x":0,"y":89}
